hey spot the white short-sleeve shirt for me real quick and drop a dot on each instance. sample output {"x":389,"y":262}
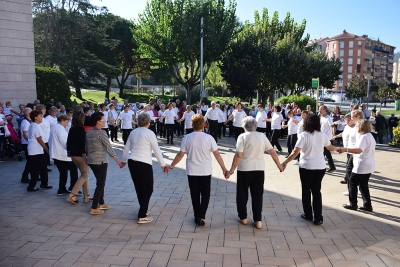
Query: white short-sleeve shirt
{"x":292,"y":127}
{"x":326,"y":125}
{"x":276,"y":121}
{"x":24,"y":128}
{"x":312,"y":150}
{"x":106,"y":118}
{"x":126,"y":120}
{"x":253,"y":145}
{"x":170,"y":116}
{"x":188,"y":122}
{"x":52,"y":121}
{"x":238,"y":117}
{"x":365,"y":163}
{"x":45,"y":125}
{"x":260,"y":117}
{"x":35,"y":131}
{"x":198,"y":147}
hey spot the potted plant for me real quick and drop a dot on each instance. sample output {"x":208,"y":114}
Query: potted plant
{"x":396,"y":137}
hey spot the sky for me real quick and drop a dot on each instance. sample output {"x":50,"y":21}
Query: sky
{"x":325,"y":18}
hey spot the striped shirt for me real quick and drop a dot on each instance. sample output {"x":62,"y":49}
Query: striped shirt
{"x":97,"y":147}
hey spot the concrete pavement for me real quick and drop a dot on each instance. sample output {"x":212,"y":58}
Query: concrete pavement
{"x":43,"y":229}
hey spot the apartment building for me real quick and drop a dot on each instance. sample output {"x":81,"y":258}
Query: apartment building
{"x":396,"y":72}
{"x":361,"y":56}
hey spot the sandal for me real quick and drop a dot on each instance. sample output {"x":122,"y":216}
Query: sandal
{"x":88,"y":198}
{"x":72,"y":198}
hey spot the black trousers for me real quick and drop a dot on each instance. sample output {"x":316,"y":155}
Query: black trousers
{"x":380,"y":136}
{"x":188,"y":131}
{"x":261,"y":130}
{"x":170,"y":132}
{"x":238,"y":131}
{"x":221,"y":129}
{"x":311,"y":185}
{"x":362,"y":181}
{"x":182,"y":126}
{"x":200,"y":187}
{"x":27,"y":169}
{"x":152,"y":127}
{"x":106,"y":130}
{"x":113,"y":132}
{"x":269,"y":130}
{"x":38,"y":167}
{"x":63,"y":167}
{"x":291,"y":142}
{"x":177,"y":128}
{"x":142,"y":177}
{"x":213,"y":129}
{"x":161,"y":128}
{"x":255,"y":181}
{"x":275,"y":139}
{"x":231,"y":128}
{"x":100,"y":172}
{"x":125,"y":134}
{"x":349,"y":168}
{"x":46,"y":155}
{"x":328,"y":155}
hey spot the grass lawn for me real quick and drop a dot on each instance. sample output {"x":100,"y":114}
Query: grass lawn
{"x":98,"y":97}
{"x":385,"y":112}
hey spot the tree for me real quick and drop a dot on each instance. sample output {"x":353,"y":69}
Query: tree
{"x":65,"y":33}
{"x":52,"y":84}
{"x":356,"y":88}
{"x":384,"y":92}
{"x":168,"y":33}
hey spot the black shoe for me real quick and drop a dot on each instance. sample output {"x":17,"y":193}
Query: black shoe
{"x":172,"y":143}
{"x":305,"y":217}
{"x":369,"y":209}
{"x":343,"y":182}
{"x":25,"y":181}
{"x":167,"y":142}
{"x":49,"y":164}
{"x":116,"y":140}
{"x":349,"y":207}
{"x":32,"y":189}
{"x":62,"y":192}
{"x":46,"y":186}
{"x":48,"y":170}
{"x":331,"y":170}
{"x":196,"y":220}
{"x":317,"y":222}
{"x":39,"y":179}
{"x":201,"y":222}
{"x":79,"y":193}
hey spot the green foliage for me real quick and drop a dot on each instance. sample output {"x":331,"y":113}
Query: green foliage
{"x":301,"y":100}
{"x":384,"y":92}
{"x":356,"y":88}
{"x":168,"y":33}
{"x":52,"y":84}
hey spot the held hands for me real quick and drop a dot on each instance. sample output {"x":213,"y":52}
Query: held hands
{"x":122,"y":164}
{"x":281,"y":167}
{"x":340,"y":150}
{"x":166,"y":168}
{"x":227,"y":174}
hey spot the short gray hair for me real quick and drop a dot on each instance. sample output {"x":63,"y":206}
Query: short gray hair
{"x":378,"y":112}
{"x":143,"y":119}
{"x":249,"y":124}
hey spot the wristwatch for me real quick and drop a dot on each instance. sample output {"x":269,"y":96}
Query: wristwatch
{"x":231,"y":172}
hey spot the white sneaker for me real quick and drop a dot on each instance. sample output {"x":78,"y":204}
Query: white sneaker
{"x":295,"y":162}
{"x":359,"y":192}
{"x":145,"y":220}
{"x":346,"y":193}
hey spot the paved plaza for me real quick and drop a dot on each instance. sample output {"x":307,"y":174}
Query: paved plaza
{"x":43,"y":229}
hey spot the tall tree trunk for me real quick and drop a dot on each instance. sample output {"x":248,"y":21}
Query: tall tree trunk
{"x":162,"y":88}
{"x":189,"y":94}
{"x":138,"y":83}
{"x":121,"y":89}
{"x":108,"y":87}
{"x":77,"y":86}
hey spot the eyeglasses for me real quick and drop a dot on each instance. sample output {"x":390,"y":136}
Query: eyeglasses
{"x":71,"y":112}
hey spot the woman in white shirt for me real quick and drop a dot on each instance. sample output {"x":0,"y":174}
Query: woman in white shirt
{"x":198,"y":146}
{"x":261,"y":119}
{"x":24,"y":128}
{"x":221,"y":124}
{"x":112,"y":122}
{"x":161,"y":121}
{"x":204,"y":107}
{"x":249,"y":160}
{"x":187,"y":116}
{"x":292,"y":131}
{"x":58,"y":152}
{"x":237,"y":116}
{"x":126,"y":120}
{"x":312,"y":166}
{"x":276,"y":126}
{"x":36,"y":148}
{"x":141,"y":143}
{"x":170,"y":117}
{"x":364,"y":165}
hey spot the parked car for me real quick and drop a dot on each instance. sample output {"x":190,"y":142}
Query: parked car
{"x":327,"y":99}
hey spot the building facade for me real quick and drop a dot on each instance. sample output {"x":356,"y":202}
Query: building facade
{"x":17,"y":57}
{"x":361,"y":56}
{"x":396,"y":72}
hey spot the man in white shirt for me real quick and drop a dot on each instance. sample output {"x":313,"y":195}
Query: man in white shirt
{"x":327,"y":127}
{"x":52,"y":118}
{"x":103,"y":109}
{"x":212,"y":116}
{"x":58,"y":152}
{"x":45,"y":126}
{"x":365,"y":111}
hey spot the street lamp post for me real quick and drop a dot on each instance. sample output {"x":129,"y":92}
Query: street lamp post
{"x":368,"y":92}
{"x":201,"y":55}
{"x":341,"y":93}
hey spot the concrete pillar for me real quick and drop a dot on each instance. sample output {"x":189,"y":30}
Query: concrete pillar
{"x":17,"y":57}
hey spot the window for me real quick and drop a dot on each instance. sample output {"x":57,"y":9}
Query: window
{"x":358,"y":61}
{"x":320,"y":47}
{"x":334,"y":45}
{"x":350,"y":52}
{"x":342,"y":44}
{"x":350,"y":61}
{"x":341,"y":53}
{"x":328,"y":55}
{"x":349,"y":78}
{"x":351,"y":44}
{"x":359,"y":44}
{"x":359,"y":52}
{"x":350,"y":69}
{"x":327,"y":45}
{"x":334,"y":54}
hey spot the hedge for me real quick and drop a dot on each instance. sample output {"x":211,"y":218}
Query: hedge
{"x":52,"y":84}
{"x":301,"y":100}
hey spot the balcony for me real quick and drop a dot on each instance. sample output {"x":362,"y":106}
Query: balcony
{"x":390,"y":67}
{"x":368,"y":64}
{"x":367,"y":73}
{"x":390,"y":61}
{"x":369,"y":47}
{"x":367,"y":56}
{"x":377,"y":74}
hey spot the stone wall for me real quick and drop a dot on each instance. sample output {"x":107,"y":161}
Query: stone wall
{"x":17,"y":57}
